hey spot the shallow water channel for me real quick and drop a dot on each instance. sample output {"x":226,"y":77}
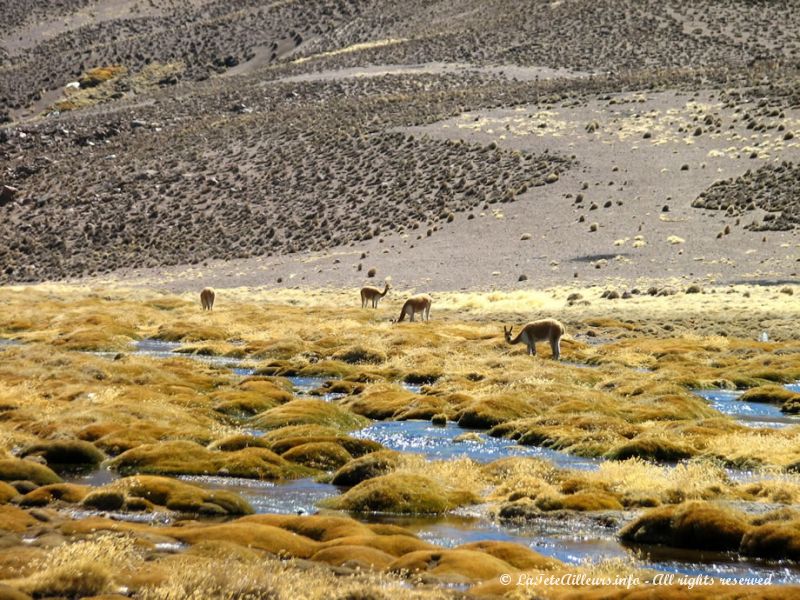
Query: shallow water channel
{"x":572,"y":538}
{"x":752,"y":414}
{"x":438,"y":443}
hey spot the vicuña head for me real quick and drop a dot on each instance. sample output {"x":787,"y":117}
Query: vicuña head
{"x":373,"y":294}
{"x":207,"y":298}
{"x":421,"y":303}
{"x":538,"y":331}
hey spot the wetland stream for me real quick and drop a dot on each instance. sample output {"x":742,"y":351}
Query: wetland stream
{"x":565,"y":535}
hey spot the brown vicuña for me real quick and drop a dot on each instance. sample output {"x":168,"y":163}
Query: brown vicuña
{"x":207,"y":298}
{"x":373,"y":294}
{"x":421,"y":303}
{"x":539,"y":331}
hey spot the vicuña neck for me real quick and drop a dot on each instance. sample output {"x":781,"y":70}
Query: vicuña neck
{"x":514,"y":340}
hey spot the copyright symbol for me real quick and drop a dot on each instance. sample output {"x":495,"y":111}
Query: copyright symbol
{"x":505,"y":578}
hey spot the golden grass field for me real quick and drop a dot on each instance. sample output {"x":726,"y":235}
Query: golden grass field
{"x":621,"y":392}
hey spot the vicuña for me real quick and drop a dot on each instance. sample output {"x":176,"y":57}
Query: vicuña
{"x":421,"y":303}
{"x":539,"y":331}
{"x":207,"y":298}
{"x":373,"y":294}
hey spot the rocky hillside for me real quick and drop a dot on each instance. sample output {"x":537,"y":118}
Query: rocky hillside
{"x":141,"y":133}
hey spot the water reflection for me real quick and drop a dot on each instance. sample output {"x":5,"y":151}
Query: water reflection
{"x":752,"y":414}
{"x":299,"y":496}
{"x":437,"y":443}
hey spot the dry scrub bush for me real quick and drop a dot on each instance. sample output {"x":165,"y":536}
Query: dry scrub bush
{"x":198,"y":578}
{"x":630,"y":483}
{"x":457,"y":473}
{"x":756,"y":448}
{"x":104,"y":562}
{"x":81,"y":568}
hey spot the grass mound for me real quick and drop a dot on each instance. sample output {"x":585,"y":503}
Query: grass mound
{"x":190,"y":458}
{"x":65,"y":455}
{"x":357,"y":355}
{"x":15,"y":519}
{"x":308,"y":412}
{"x":778,"y":540}
{"x":250,"y":535}
{"x":695,"y":525}
{"x":401,"y":493}
{"x":580,"y":501}
{"x":453,"y":565}
{"x":7,"y":492}
{"x":774,"y":394}
{"x":422,"y":377}
{"x":246,"y":403}
{"x":46,"y":494}
{"x":179,"y":496}
{"x":15,"y":469}
{"x":788,"y":400}
{"x":381,"y":401}
{"x":352,"y":445}
{"x":396,"y":544}
{"x":493,"y":410}
{"x":232,"y":443}
{"x":321,"y":528}
{"x":185,"y":331}
{"x":516,"y":555}
{"x":656,"y":449}
{"x":366,"y":467}
{"x":326,"y":456}
{"x":361,"y":557}
{"x":104,"y":499}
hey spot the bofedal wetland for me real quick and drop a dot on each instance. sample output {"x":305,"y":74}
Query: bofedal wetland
{"x":376,"y":300}
{"x":291,"y":438}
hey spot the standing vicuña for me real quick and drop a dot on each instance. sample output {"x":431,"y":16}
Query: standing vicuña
{"x":421,"y":303}
{"x":207,"y":298}
{"x":373,"y":294}
{"x":539,"y":331}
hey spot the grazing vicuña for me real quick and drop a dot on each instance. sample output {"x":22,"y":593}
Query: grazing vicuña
{"x":373,"y":294}
{"x":207,"y":298}
{"x":421,"y":303}
{"x":539,"y":331}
